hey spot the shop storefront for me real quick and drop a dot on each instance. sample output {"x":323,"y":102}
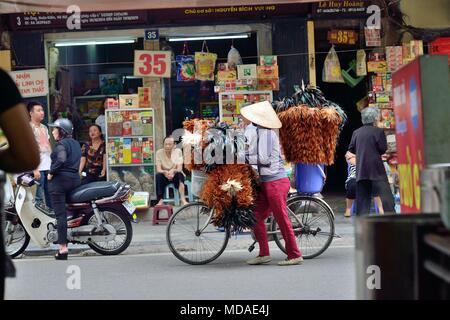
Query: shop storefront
{"x":90,"y":70}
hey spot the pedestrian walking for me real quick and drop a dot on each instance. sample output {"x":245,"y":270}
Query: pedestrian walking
{"x":265,"y":152}
{"x":63,"y":177}
{"x":369,"y":143}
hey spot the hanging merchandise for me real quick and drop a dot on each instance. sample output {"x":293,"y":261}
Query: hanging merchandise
{"x":361,"y":66}
{"x":234,"y":58}
{"x":332,"y":68}
{"x":230,"y":188}
{"x":311,"y":127}
{"x":185,"y":65}
{"x":205,"y":64}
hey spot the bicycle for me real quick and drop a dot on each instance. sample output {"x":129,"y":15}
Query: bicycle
{"x":312,"y":220}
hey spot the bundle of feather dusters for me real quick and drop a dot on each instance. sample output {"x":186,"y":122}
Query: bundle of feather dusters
{"x":194,"y":137}
{"x":310,"y":135}
{"x":232,"y":191}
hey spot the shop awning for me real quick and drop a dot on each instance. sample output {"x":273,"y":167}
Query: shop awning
{"x":16,"y":6}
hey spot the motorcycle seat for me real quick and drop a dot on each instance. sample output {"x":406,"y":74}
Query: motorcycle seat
{"x":93,"y":191}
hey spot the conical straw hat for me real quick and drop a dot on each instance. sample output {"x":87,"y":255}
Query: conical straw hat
{"x":262,"y":114}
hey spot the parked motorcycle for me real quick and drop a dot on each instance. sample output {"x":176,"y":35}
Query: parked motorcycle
{"x":98,"y":214}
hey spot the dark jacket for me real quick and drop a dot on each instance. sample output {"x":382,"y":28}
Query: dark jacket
{"x":66,"y":158}
{"x":368,"y":144}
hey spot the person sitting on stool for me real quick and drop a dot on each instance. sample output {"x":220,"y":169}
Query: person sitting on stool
{"x":169,"y":169}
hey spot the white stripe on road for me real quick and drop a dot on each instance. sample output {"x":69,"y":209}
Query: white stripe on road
{"x":155,"y":254}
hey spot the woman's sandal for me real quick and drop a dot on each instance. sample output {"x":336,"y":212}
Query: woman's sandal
{"x":61,"y":256}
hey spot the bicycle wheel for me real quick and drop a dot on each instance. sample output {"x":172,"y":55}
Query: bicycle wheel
{"x":192,"y":238}
{"x":313,"y":223}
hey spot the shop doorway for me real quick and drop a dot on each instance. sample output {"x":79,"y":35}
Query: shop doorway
{"x":190,"y":99}
{"x":347,"y":98}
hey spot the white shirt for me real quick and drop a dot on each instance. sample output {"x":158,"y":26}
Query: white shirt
{"x":100,"y":121}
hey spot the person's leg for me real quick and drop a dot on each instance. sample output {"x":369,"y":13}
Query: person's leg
{"x":350,"y":196}
{"x":178,"y":182}
{"x":161,"y":183}
{"x":40,"y":189}
{"x":262,"y":212}
{"x":363,"y":197}
{"x":58,"y":197}
{"x":348,"y":209}
{"x":379,"y":204}
{"x":48,"y":202}
{"x":387,"y":198}
{"x":277,"y":192}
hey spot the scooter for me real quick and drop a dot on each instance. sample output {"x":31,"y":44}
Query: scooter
{"x":98,"y":214}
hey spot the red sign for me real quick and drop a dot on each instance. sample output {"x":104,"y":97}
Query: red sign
{"x":409,"y":134}
{"x":348,"y":37}
{"x":441,"y":46}
{"x":152,"y":63}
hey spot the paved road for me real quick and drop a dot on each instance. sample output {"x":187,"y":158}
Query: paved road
{"x":162,"y":276}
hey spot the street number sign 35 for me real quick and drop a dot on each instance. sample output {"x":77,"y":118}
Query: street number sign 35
{"x":152,"y":63}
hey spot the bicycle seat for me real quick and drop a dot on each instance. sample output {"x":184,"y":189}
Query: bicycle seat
{"x":93,"y":191}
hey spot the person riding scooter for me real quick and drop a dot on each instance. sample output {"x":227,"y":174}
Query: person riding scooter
{"x":63,"y":177}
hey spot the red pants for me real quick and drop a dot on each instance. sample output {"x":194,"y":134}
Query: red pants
{"x":273,"y":198}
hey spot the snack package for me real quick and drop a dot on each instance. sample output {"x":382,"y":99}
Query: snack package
{"x":185,"y":68}
{"x":205,"y":64}
{"x":332,"y":68}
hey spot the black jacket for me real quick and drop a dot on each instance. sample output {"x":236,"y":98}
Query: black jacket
{"x":66,"y":158}
{"x":368,"y":144}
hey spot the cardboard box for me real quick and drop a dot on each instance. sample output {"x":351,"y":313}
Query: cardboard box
{"x":267,"y":72}
{"x":268,"y":61}
{"x":269,"y":84}
{"x":144,"y":94}
{"x":128,"y":101}
{"x":247,"y":71}
{"x":226,"y":75}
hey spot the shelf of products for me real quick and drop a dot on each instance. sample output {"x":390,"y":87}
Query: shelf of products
{"x":230,"y":103}
{"x":130,"y":148}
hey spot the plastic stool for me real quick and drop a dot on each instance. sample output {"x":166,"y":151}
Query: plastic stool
{"x":188,"y":191}
{"x":157,"y":209}
{"x":176,"y":195}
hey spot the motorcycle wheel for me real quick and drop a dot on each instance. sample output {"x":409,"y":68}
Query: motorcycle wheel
{"x":20,"y":241}
{"x":121,"y":222}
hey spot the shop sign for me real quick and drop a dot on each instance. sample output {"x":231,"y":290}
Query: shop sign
{"x":151,"y":34}
{"x":339,"y":7}
{"x":53,"y":20}
{"x":409,"y":135}
{"x":152,"y":63}
{"x":31,"y":83}
{"x":343,"y":37}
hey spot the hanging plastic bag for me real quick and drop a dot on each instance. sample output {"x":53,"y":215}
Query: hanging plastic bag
{"x":361,"y":66}
{"x":205,"y":64}
{"x":185,"y":65}
{"x":332,"y":68}
{"x":234,"y":58}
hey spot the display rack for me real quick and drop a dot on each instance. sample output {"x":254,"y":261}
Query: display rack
{"x":230,"y":103}
{"x":130,"y":138}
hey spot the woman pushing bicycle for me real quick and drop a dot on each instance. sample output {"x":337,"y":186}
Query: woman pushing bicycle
{"x":264,"y":152}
